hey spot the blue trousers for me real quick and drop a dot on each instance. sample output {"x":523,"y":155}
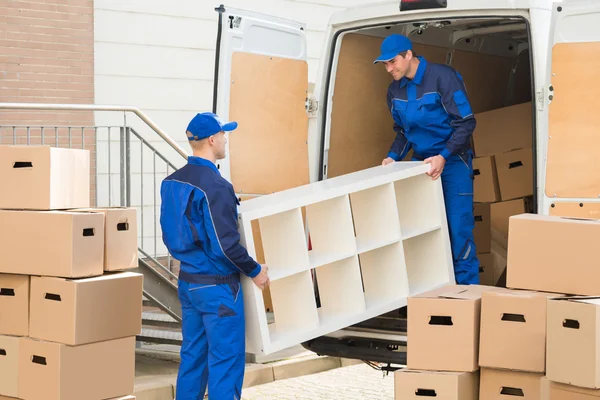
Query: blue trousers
{"x":457,"y":185}
{"x":213,"y":349}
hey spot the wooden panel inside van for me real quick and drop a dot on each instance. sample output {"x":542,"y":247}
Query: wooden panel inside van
{"x":361,"y":124}
{"x":572,"y":167}
{"x":486,"y":78}
{"x":576,"y":210}
{"x":269,"y":149}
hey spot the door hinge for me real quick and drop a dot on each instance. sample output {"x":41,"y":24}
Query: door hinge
{"x":311,"y":105}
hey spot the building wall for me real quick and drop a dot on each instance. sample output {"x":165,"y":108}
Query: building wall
{"x":47,"y":56}
{"x":159,"y":56}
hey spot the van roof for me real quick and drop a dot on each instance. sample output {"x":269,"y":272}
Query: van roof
{"x":390,"y":8}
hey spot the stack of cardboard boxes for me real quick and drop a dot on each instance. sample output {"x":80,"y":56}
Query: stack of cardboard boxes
{"x":560,"y":255}
{"x":69,"y":312}
{"x":503,"y":182}
{"x":538,"y":339}
{"x":443,"y":344}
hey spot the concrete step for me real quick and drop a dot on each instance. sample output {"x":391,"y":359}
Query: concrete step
{"x":159,"y":318}
{"x":163,"y":336}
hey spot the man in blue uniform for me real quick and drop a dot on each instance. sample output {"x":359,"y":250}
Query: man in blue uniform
{"x":432,"y":115}
{"x":199,"y":224}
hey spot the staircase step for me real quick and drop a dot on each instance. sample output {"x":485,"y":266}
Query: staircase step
{"x":160,"y":336}
{"x":155,"y":318}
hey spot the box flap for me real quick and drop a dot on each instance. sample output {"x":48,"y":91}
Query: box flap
{"x":106,"y":277}
{"x":423,"y":372}
{"x":561,"y":391}
{"x":595,"y":300}
{"x":459,"y":292}
{"x":522,"y":294}
{"x":553,"y":218}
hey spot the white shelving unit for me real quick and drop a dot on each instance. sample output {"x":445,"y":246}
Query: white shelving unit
{"x":370,"y":240}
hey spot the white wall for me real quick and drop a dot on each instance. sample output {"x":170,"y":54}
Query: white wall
{"x":158,"y":55}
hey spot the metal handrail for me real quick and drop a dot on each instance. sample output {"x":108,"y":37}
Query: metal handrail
{"x":94,"y":107}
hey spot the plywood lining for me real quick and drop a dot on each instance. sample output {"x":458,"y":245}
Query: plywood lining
{"x":576,"y":210}
{"x":572,"y":168}
{"x":361,"y":124}
{"x":486,"y":78}
{"x":269,"y":150}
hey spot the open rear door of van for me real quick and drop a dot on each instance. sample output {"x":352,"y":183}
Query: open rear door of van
{"x":572,"y":171}
{"x":261,"y":81}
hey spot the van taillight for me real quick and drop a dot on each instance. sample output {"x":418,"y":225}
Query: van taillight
{"x":411,"y":5}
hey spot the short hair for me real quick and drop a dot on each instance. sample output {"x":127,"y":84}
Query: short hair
{"x":403,"y":53}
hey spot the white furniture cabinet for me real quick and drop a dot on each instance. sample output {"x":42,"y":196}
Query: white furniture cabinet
{"x":369,"y":240}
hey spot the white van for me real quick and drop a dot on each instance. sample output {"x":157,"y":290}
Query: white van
{"x":539,"y":56}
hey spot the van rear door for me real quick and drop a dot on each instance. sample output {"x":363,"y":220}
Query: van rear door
{"x":262,"y":82}
{"x":572,"y":180}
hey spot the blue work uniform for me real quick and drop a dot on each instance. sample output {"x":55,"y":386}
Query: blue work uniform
{"x":199,"y":227}
{"x":432,"y":115}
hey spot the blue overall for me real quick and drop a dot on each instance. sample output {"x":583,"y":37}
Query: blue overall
{"x":432,"y":115}
{"x":199,"y":227}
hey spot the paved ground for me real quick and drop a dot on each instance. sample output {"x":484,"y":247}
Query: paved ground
{"x":357,"y":382}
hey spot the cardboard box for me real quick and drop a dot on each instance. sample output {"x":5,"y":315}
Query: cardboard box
{"x":14,"y":305}
{"x":81,"y":311}
{"x":501,"y":384}
{"x":485,"y":180}
{"x":52,"y":243}
{"x":513,"y":330}
{"x":94,"y":371}
{"x":574,"y":341}
{"x":9,"y":366}
{"x":503,"y":129}
{"x":501,"y":212}
{"x":482,"y":230}
{"x":559,"y":391}
{"x":44,"y":178}
{"x":120,"y":237}
{"x":554,"y":254}
{"x":486,"y":269}
{"x":444,"y":328}
{"x":515,"y":174}
{"x":411,"y":384}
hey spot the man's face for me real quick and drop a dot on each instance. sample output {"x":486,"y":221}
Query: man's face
{"x":398,"y":66}
{"x":219,"y":142}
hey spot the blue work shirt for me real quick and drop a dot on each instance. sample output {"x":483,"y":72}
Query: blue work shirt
{"x":199,"y":221}
{"x":431,"y":113}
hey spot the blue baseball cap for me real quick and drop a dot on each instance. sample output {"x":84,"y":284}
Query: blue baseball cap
{"x":392,"y":46}
{"x":206,"y":124}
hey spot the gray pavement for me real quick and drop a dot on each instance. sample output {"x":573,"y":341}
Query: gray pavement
{"x":357,"y":382}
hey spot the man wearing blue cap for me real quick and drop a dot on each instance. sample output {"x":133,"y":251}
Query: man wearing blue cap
{"x":432,"y":115}
{"x":199,"y":224}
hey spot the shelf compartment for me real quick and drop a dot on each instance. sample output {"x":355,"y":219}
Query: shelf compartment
{"x":427,"y":264}
{"x":295,"y":307}
{"x":384,"y":275}
{"x":375,"y":216}
{"x":340,"y":290}
{"x":284,"y":243}
{"x":330,"y":230}
{"x":421,"y":231}
{"x":418,"y":203}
